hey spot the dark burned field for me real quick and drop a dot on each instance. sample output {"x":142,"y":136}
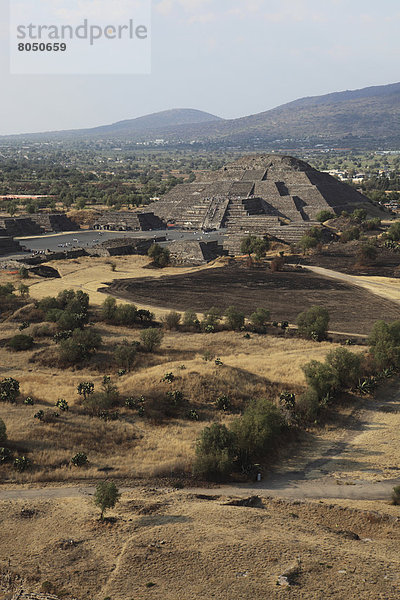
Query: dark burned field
{"x":285,"y":294}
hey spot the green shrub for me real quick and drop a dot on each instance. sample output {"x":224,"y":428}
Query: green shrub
{"x":22,"y":463}
{"x":125,"y":315}
{"x":9,"y":389}
{"x":85,"y":389}
{"x":80,"y":346}
{"x":223,"y":403}
{"x":5,"y":455}
{"x":307,"y":406}
{"x":151,"y":339}
{"x":108,"y":309}
{"x":321,"y":377}
{"x":308,"y":242}
{"x":79,"y":460}
{"x":211,"y":319}
{"x":190,"y":320}
{"x":396,"y":496}
{"x":324,"y":215}
{"x":159,"y":255}
{"x":3,"y":431}
{"x":171,"y":321}
{"x":254,"y":245}
{"x":106,"y":496}
{"x":394,"y":232}
{"x":234,"y":318}
{"x":62,"y":405}
{"x":125,"y":355}
{"x":20,"y":342}
{"x":313,"y":323}
{"x":257,"y":431}
{"x":359,"y":215}
{"x":345,"y":365}
{"x":260,"y":317}
{"x":384,"y":342}
{"x":353,"y":233}
{"x":215,"y":452}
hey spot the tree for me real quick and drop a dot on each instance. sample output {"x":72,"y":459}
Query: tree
{"x":384,"y":342}
{"x":345,"y":365}
{"x":254,"y":245}
{"x":80,"y":346}
{"x":260,"y":317}
{"x":321,"y":377}
{"x":211,"y":319}
{"x":190,"y":320}
{"x":151,"y":339}
{"x":308,"y":242}
{"x":215,"y":452}
{"x":359,"y":215}
{"x":23,"y":290}
{"x":256,"y":431}
{"x":159,"y":255}
{"x":313,"y":323}
{"x":125,"y":355}
{"x":171,"y":320}
{"x":106,"y":496}
{"x":3,"y":431}
{"x":23,"y":272}
{"x":234,"y":318}
{"x":108,"y":309}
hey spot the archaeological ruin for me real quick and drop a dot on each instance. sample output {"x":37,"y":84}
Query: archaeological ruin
{"x":273,"y":195}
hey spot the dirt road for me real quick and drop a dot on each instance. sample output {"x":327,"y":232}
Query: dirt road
{"x":384,"y":287}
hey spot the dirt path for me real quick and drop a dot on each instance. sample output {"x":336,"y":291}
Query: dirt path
{"x":384,"y":287}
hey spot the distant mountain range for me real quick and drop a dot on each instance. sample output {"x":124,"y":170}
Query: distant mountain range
{"x":369,"y":117}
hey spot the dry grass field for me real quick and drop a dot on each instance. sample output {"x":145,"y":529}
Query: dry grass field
{"x":174,"y":545}
{"x":186,"y":544}
{"x":134,"y":446}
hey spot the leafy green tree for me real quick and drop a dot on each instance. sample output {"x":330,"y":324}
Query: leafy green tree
{"x":108,"y":309}
{"x":308,"y":242}
{"x":159,"y":255}
{"x":211,"y":318}
{"x":367,"y":254}
{"x":260,"y":317}
{"x":359,"y":215}
{"x":215,"y":452}
{"x":257,"y":431}
{"x":80,"y":346}
{"x":322,"y":378}
{"x":151,"y":339}
{"x":190,"y":320}
{"x":234,"y":318}
{"x":23,"y":290}
{"x":345,"y":365}
{"x":125,"y":355}
{"x":254,"y":245}
{"x":106,"y":496}
{"x":313,"y":323}
{"x":384,"y":342}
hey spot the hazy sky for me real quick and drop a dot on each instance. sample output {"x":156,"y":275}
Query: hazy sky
{"x":228,"y":57}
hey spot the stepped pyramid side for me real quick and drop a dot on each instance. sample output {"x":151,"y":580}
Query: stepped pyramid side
{"x":257,"y":188}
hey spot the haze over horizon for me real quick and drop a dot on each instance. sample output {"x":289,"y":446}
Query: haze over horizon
{"x":231,"y":58}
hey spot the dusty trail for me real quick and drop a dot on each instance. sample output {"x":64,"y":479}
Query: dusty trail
{"x":384,"y":287}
